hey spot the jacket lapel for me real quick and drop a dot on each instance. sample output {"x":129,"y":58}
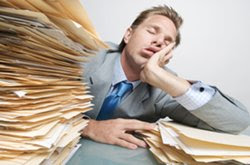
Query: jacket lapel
{"x":133,"y":104}
{"x":100,"y":82}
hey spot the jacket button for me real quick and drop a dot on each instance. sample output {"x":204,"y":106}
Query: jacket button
{"x":201,"y":89}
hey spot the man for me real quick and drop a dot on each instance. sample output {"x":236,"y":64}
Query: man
{"x":156,"y":92}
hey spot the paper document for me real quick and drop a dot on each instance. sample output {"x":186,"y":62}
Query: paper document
{"x":176,"y":143}
{"x":42,"y":94}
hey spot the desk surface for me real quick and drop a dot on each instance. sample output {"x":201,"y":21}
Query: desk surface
{"x":93,"y":153}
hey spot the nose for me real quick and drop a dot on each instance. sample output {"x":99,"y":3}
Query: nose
{"x":159,"y":41}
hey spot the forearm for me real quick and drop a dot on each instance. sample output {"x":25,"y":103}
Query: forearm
{"x":168,"y":82}
{"x":171,"y":84}
{"x":153,"y":73}
{"x":224,"y":113}
{"x":219,"y":111}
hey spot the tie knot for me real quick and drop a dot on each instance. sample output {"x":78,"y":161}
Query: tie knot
{"x":123,"y":87}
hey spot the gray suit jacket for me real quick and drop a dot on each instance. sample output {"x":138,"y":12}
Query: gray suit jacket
{"x":147,"y":103}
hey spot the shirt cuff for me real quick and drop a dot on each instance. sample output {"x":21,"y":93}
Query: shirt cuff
{"x":196,"y":96}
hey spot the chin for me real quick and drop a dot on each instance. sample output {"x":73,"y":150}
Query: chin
{"x":144,"y":62}
{"x":140,"y":62}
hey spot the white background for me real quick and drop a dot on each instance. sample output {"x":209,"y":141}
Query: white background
{"x":215,"y":46}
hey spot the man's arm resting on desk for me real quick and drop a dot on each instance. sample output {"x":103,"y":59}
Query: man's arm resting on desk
{"x":115,"y":131}
{"x":220,"y":111}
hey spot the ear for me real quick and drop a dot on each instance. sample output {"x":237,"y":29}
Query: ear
{"x":127,"y":35}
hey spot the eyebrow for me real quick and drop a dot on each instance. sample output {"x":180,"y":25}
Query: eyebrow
{"x":154,"y":26}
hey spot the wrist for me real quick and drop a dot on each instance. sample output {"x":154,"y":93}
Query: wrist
{"x":87,"y":130}
{"x":171,"y":83}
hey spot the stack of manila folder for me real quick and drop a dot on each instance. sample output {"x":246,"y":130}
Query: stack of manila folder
{"x":43,"y":44}
{"x":176,"y":144}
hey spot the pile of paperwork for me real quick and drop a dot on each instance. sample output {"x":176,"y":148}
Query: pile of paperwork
{"x":43,"y":44}
{"x":172,"y":143}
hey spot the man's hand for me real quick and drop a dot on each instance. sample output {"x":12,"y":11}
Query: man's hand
{"x":154,"y":73}
{"x":115,"y":132}
{"x":155,"y":64}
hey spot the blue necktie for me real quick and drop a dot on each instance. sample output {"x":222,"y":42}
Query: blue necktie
{"x":110,"y":103}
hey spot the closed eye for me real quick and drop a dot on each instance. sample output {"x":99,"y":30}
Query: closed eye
{"x":151,"y":30}
{"x":167,"y":42}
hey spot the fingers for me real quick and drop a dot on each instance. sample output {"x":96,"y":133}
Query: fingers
{"x":115,"y":132}
{"x":166,"y":59}
{"x":167,"y":49}
{"x":166,"y":54}
{"x":131,"y":139}
{"x":162,"y":57}
{"x":124,"y":143}
{"x":132,"y":125}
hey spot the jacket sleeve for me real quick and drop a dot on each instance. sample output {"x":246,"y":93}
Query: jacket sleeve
{"x":222,"y":113}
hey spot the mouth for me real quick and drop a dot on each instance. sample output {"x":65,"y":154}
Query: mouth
{"x":149,"y":51}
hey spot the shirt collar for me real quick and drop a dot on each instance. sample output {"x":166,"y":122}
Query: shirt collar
{"x":120,"y":76}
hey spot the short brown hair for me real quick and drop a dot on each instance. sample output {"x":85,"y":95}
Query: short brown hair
{"x":163,"y":10}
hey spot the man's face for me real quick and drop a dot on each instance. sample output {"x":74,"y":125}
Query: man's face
{"x":152,"y":35}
